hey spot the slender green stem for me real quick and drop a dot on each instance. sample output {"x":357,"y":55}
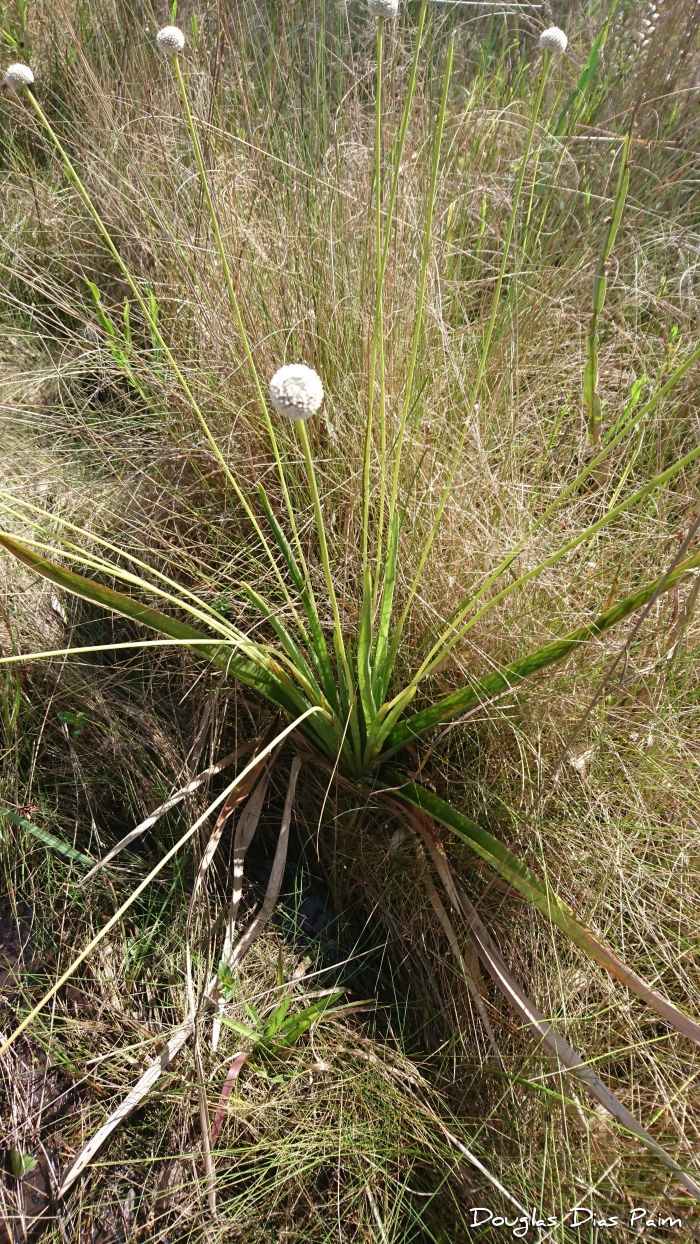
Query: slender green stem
{"x":486,"y":344}
{"x":398,"y":156}
{"x":402,"y":132}
{"x":325,"y":559}
{"x":440,"y":650}
{"x":427,"y":239}
{"x":382,"y":453}
{"x":380,"y":304}
{"x":233,"y":299}
{"x":378,"y":334}
{"x":636,"y":419}
{"x":378,"y":297}
{"x":153,"y":325}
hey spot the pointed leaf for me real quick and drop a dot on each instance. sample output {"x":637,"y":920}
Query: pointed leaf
{"x":296,"y":1025}
{"x":364,"y":652}
{"x":623,"y":182}
{"x":265,"y":680}
{"x":382,"y":667}
{"x":241,"y":1029}
{"x":56,"y":844}
{"x":517,"y":874}
{"x":21,"y":1163}
{"x":288,"y":645}
{"x":102,"y":316}
{"x":502,"y":680}
{"x":278,"y":1016}
{"x":318,"y":646}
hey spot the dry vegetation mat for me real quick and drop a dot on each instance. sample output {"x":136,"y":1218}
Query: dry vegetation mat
{"x":350,"y":538}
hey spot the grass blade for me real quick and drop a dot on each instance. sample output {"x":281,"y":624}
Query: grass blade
{"x":494,"y":684}
{"x":517,"y":874}
{"x":55,"y":844}
{"x":542,"y":1028}
{"x":233,"y":661}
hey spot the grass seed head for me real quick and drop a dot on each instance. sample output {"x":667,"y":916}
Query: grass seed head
{"x":383,"y":8}
{"x":296,"y":391}
{"x":553,"y":40}
{"x":170,"y":40}
{"x":17,"y":76}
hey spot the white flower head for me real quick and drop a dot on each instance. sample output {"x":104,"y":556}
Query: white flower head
{"x":170,"y":40}
{"x":17,"y":76}
{"x":383,"y":8}
{"x":553,"y":40}
{"x":296,"y":391}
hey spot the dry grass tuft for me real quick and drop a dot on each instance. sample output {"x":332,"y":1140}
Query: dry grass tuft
{"x":344,"y":1138}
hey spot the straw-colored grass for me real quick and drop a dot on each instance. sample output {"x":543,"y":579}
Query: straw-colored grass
{"x":350,"y":1143}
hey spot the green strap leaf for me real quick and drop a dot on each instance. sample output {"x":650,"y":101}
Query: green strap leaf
{"x":364,"y":652}
{"x":278,"y":1016}
{"x":282,"y":542}
{"x":522,"y":878}
{"x":382,"y":666}
{"x":55,"y":844}
{"x":502,"y":680}
{"x":325,"y":730}
{"x":242,"y":1029}
{"x":288,"y":645}
{"x":296,"y":1025}
{"x":623,"y":182}
{"x":317,"y":647}
{"x":254,"y":674}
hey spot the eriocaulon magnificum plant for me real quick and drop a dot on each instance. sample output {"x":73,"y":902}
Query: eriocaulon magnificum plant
{"x":334,"y":677}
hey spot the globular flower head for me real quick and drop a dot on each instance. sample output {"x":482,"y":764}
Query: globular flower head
{"x":170,"y":40}
{"x":553,"y":40}
{"x":296,"y":391}
{"x":383,"y":8}
{"x":17,"y":76}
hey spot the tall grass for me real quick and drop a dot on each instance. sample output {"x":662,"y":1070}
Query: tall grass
{"x":431,"y":249}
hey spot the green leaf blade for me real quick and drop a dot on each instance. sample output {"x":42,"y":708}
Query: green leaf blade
{"x":54,"y":844}
{"x":470,"y":697}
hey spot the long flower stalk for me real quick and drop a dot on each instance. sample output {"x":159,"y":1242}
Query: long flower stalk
{"x":546,"y":62}
{"x":380,"y":294}
{"x":427,"y":240}
{"x":235,"y":305}
{"x":152,"y":322}
{"x":378,"y":332}
{"x":378,"y":314}
{"x":325,"y":560}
